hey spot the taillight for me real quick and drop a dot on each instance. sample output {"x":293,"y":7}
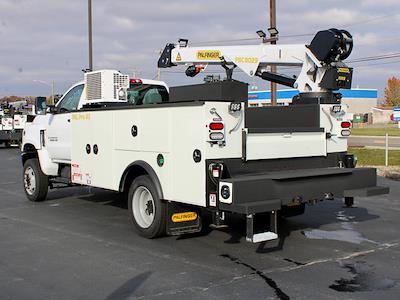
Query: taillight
{"x":346,"y":132}
{"x":216,"y":136}
{"x":135,"y":81}
{"x":346,"y":124}
{"x":216,"y":126}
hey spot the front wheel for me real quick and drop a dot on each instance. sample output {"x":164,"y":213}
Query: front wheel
{"x":147,"y":211}
{"x":36,"y":183}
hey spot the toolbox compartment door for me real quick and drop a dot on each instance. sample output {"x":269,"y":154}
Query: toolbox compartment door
{"x":283,"y":132}
{"x":277,"y":145}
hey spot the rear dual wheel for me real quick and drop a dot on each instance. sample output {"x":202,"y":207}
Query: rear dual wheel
{"x":147,"y":211}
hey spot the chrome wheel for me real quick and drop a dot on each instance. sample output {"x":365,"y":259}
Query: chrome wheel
{"x":143,"y":207}
{"x":30,"y":180}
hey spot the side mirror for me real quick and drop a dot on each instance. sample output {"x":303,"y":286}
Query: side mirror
{"x":51,"y":109}
{"x":40,"y":105}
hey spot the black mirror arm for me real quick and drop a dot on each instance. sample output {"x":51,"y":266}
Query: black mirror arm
{"x":52,"y":109}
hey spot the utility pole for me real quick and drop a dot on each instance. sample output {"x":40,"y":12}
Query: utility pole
{"x":272,"y":25}
{"x":90,"y":35}
{"x":136,"y":73}
{"x":53,"y":101}
{"x":159,"y":69}
{"x":158,"y":74}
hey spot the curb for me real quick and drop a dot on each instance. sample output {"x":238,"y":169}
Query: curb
{"x":375,"y":136}
{"x":394,"y":175}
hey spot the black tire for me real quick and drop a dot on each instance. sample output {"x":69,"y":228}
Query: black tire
{"x":292,"y":211}
{"x":38,"y":192}
{"x":157,"y":226}
{"x":349,"y":201}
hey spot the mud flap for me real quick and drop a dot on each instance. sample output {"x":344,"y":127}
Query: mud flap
{"x":182,"y":219}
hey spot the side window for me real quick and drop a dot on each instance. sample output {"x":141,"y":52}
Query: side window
{"x":152,"y":96}
{"x":71,"y":99}
{"x":139,"y":94}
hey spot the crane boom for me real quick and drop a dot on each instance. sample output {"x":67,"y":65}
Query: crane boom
{"x":322,"y":67}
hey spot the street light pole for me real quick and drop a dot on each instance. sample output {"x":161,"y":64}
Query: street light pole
{"x":272,"y":18}
{"x":50,"y":85}
{"x":158,"y":68}
{"x":53,"y":101}
{"x":90,"y":35}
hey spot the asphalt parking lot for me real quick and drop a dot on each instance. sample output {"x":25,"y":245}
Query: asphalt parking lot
{"x":79,"y":245}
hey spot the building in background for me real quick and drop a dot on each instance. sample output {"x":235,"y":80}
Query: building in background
{"x":382,"y":115}
{"x":359,"y":101}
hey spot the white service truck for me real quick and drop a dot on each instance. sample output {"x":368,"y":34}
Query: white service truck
{"x":202,"y":149}
{"x":13,"y":117}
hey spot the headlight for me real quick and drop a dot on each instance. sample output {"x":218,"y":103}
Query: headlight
{"x":336,"y":108}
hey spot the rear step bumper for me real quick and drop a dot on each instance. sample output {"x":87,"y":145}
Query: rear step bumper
{"x":266,"y":192}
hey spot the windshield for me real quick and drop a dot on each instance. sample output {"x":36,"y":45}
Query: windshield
{"x":141,"y":94}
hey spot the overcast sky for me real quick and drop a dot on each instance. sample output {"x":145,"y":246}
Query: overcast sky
{"x":47,"y":39}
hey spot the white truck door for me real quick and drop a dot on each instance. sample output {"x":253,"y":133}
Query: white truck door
{"x":59,"y":126}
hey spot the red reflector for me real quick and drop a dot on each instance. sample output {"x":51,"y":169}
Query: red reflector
{"x":215,"y":173}
{"x":136,"y":81}
{"x":216,"y":126}
{"x":346,"y":124}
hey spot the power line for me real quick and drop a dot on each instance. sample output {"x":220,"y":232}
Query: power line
{"x":374,"y":58}
{"x":296,"y":35}
{"x":345,"y":25}
{"x":379,"y":64}
{"x":300,"y":34}
{"x":371,"y":20}
{"x":225,"y":41}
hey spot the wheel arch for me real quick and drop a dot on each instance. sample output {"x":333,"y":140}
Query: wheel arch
{"x":137,"y":169}
{"x":28,"y":151}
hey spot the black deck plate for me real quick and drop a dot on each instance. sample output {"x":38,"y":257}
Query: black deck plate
{"x":293,"y":174}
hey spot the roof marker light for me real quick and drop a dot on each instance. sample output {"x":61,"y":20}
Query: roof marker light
{"x":135,"y":81}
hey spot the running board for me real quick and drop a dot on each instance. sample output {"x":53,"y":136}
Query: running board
{"x":262,"y":236}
